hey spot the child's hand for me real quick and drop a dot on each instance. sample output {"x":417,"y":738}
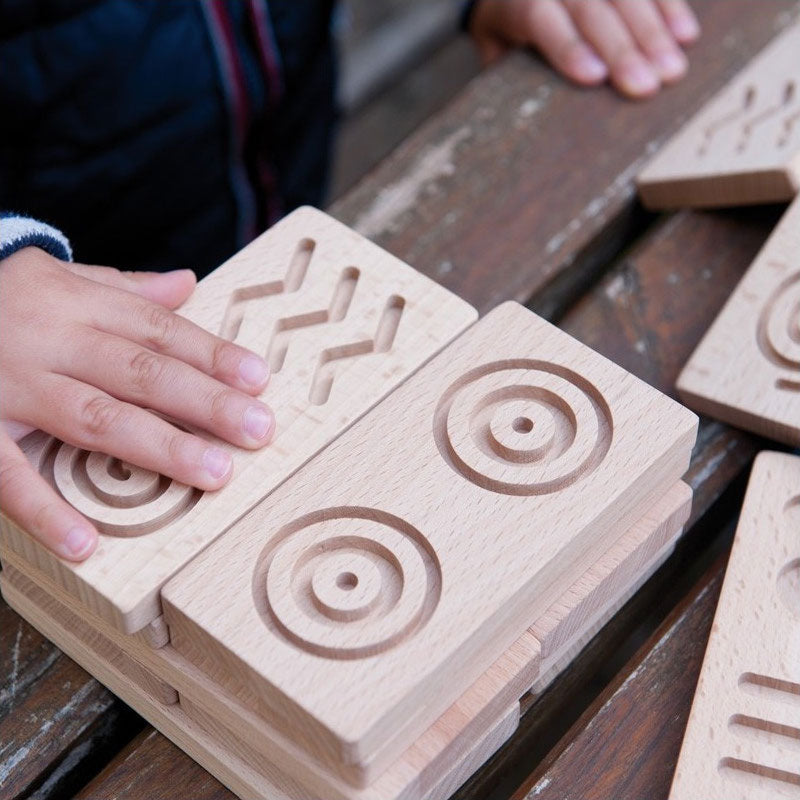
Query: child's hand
{"x":84,"y":350}
{"x":634,"y":43}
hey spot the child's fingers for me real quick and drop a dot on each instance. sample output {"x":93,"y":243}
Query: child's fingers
{"x":552,"y":31}
{"x":654,"y":38}
{"x":168,"y":289}
{"x":93,"y":420}
{"x":134,"y":374}
{"x":160,"y":330}
{"x":606,"y":31}
{"x":28,"y":500}
{"x":681,"y":19}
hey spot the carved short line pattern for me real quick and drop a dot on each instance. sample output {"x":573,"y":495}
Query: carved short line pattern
{"x":292,"y":281}
{"x":750,"y":125}
{"x":789,"y":126}
{"x":523,"y":427}
{"x":382,"y":341}
{"x":347,"y":583}
{"x":748,"y":100}
{"x":772,"y":733}
{"x":335,"y":312}
{"x":120,"y":499}
{"x":788,"y":782}
{"x":769,"y":688}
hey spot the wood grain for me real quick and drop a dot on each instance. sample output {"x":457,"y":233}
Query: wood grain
{"x":465,"y":727}
{"x":479,"y":199}
{"x":743,"y":146}
{"x":438,"y":543}
{"x":233,"y":762}
{"x":342,"y":324}
{"x":746,"y":370}
{"x":743,"y":737}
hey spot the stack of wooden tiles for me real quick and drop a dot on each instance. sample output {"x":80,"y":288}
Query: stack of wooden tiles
{"x":448,"y":513}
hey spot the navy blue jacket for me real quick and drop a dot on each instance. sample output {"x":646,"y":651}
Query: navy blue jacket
{"x":160,"y":134}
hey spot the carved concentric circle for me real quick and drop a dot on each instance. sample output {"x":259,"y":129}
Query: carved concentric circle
{"x":523,"y":427}
{"x":347,"y":583}
{"x":779,"y":325}
{"x":120,"y":499}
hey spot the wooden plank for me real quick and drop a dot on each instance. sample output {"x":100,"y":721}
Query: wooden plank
{"x":341,"y":322}
{"x":59,"y":724}
{"x":506,"y":139}
{"x":743,"y":146}
{"x":548,"y":429}
{"x":743,"y":737}
{"x":646,"y":315}
{"x":746,"y":369}
{"x":627,"y":741}
{"x":429,"y":760}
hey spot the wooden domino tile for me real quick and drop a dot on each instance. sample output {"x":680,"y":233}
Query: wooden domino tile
{"x":342,"y":323}
{"x":746,"y":370}
{"x":743,"y":146}
{"x":374,"y":587}
{"x":461,"y":729}
{"x":743,"y":737}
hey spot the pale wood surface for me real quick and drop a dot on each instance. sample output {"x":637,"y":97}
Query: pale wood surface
{"x":743,"y":146}
{"x":602,"y":584}
{"x":463,"y":728}
{"x":746,"y":370}
{"x":342,"y":323}
{"x":234,"y":763}
{"x":579,"y":610}
{"x":602,"y":448}
{"x":743,"y":737}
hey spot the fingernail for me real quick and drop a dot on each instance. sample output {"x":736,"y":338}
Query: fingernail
{"x":253,"y":370}
{"x":590,"y":66}
{"x":685,"y":27}
{"x":217,"y":463}
{"x":639,"y":79}
{"x":78,"y":541}
{"x":671,"y":64}
{"x":257,"y":422}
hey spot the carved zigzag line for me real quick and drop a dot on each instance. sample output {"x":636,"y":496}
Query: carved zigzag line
{"x":381,"y":342}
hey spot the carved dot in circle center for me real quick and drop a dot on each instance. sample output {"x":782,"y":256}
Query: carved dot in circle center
{"x":523,"y":427}
{"x":347,"y":583}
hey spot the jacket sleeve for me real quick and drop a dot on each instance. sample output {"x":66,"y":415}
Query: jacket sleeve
{"x":17,"y":232}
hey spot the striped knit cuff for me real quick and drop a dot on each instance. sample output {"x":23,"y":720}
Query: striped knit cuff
{"x":17,"y":232}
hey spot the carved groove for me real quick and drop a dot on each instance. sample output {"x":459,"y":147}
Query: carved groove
{"x":759,"y":119}
{"x":748,"y":100}
{"x":335,"y":312}
{"x":772,"y":688}
{"x":778,"y":329}
{"x":322,"y":382}
{"x":790,"y":780}
{"x":750,"y":123}
{"x":523,"y":427}
{"x":292,"y":281}
{"x":120,"y":499}
{"x":347,"y":583}
{"x":741,"y":724}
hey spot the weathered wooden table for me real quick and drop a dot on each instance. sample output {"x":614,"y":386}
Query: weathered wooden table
{"x":522,"y":188}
